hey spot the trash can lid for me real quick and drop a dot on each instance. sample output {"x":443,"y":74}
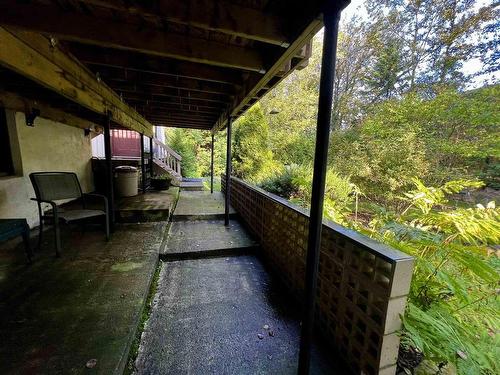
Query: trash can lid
{"x":126,"y":169}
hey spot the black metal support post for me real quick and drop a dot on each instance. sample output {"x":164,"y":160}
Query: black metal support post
{"x":109,"y":172}
{"x":212,"y":166}
{"x":228,"y":173}
{"x":331,"y":20}
{"x":151,"y":171}
{"x":143,"y":166}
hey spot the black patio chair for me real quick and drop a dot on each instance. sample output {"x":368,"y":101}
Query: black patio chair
{"x":56,"y":186}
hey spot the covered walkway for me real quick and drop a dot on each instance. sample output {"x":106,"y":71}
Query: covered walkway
{"x":60,"y":313}
{"x":217,"y":309}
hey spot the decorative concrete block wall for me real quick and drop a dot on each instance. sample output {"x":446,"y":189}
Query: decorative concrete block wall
{"x":362,"y":285}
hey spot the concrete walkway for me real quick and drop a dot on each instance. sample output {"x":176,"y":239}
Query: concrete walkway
{"x":59,"y":313}
{"x":200,"y":205}
{"x":201,"y":238}
{"x":214,"y":313}
{"x":222,"y":316}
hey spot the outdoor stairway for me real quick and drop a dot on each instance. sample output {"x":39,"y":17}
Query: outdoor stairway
{"x":167,"y":160}
{"x":192,"y":184}
{"x":198,"y":230}
{"x":216,"y":309}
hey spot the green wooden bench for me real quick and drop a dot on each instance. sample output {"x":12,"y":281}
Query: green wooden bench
{"x":10,"y":228}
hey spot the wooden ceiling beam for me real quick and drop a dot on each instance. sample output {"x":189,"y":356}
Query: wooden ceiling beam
{"x":271,"y":78}
{"x":182,"y":118}
{"x":21,"y":104}
{"x":182,"y":126}
{"x":110,"y":33}
{"x":147,"y":79}
{"x":175,"y":109}
{"x":96,"y":57}
{"x":223,"y":17}
{"x":149,"y":91}
{"x":134,"y":100}
{"x":32,"y":56}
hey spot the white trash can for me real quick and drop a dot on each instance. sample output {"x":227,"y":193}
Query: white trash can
{"x":126,"y":181}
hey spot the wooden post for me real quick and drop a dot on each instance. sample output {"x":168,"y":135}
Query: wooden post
{"x":212,"y":166}
{"x":228,"y":173}
{"x":109,"y":171}
{"x":331,"y":19}
{"x":151,"y":172}
{"x":143,"y":166}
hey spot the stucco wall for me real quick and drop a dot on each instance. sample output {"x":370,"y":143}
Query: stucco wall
{"x":48,"y":146}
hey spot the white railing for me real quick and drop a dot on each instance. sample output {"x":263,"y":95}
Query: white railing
{"x":167,"y":156}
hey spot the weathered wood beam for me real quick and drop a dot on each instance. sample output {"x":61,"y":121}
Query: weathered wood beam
{"x":177,"y":108}
{"x":18,"y":103}
{"x":147,"y":79}
{"x":211,"y":15}
{"x":149,"y":91}
{"x":272,"y":76}
{"x":182,"y":126}
{"x":110,"y":33}
{"x":98,"y":57}
{"x":34,"y":57}
{"x":180,"y":117}
{"x":172,"y":102}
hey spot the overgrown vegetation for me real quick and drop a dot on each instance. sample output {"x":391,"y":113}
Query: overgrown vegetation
{"x":413,"y":162}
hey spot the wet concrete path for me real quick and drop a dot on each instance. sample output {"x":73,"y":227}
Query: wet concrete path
{"x":219,"y":314}
{"x":59,"y":313}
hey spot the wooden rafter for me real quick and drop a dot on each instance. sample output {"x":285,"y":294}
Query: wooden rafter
{"x":110,"y":33}
{"x":211,"y":15}
{"x":98,"y":57}
{"x":149,"y":91}
{"x":35,"y":57}
{"x":148,"y":79}
{"x":21,"y":104}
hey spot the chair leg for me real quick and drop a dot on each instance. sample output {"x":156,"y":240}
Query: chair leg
{"x":27,"y":247}
{"x":40,"y":234}
{"x":57,"y":233}
{"x":107,"y":226}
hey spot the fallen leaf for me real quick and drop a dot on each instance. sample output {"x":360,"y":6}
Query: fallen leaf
{"x":91,"y":363}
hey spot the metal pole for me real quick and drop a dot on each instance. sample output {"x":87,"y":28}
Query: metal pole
{"x":143,"y":166}
{"x":151,"y":172}
{"x":228,"y":172}
{"x":212,"y":166}
{"x":331,"y":21}
{"x":109,"y":171}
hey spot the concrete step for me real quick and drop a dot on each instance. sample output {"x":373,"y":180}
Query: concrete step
{"x":207,"y":238}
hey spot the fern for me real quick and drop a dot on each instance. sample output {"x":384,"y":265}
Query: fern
{"x":453,"y":310}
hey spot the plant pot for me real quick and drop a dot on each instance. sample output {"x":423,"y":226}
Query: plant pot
{"x":160,"y":184}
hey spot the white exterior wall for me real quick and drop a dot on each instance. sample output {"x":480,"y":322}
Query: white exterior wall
{"x":98,"y":146}
{"x":48,"y":146}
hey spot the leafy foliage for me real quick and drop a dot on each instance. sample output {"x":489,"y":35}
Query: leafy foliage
{"x":453,"y":307}
{"x":410,"y":139}
{"x":252,"y":157}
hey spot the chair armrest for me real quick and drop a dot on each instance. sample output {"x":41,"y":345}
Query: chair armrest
{"x":52,"y":203}
{"x":55,"y":212}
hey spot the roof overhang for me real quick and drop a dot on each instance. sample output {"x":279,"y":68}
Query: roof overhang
{"x":189,"y":63}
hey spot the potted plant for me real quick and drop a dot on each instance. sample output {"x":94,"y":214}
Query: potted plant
{"x":161,"y":182}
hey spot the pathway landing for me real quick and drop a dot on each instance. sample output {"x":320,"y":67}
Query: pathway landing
{"x":199,"y":238}
{"x":200,"y":205}
{"x":59,"y":313}
{"x":222,"y":316}
{"x":152,"y":206}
